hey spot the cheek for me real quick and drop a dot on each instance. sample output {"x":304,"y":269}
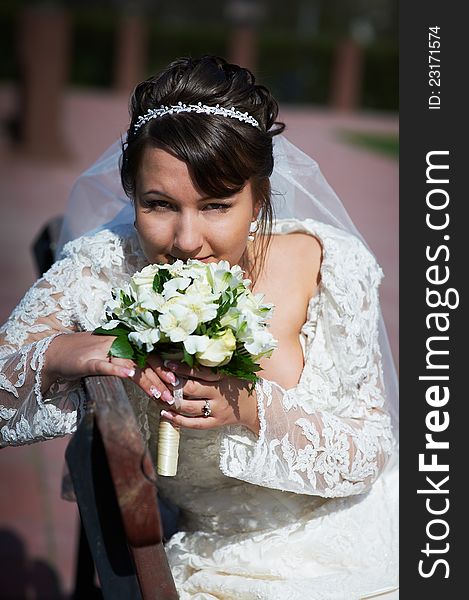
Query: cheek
{"x":230,"y":237}
{"x":154,"y":237}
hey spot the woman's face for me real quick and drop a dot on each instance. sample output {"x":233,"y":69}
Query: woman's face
{"x":174,"y":220}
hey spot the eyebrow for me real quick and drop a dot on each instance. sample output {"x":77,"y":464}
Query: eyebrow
{"x":158,"y":193}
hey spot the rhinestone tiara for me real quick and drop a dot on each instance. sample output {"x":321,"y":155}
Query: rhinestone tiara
{"x":154,"y":113}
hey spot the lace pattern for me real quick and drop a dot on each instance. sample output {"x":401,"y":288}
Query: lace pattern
{"x":329,"y":435}
{"x":70,"y":297}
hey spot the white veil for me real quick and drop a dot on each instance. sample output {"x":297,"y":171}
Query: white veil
{"x":299,"y":189}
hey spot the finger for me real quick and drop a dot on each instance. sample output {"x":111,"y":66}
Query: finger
{"x":204,"y":373}
{"x":195,"y":389}
{"x":192,"y":408}
{"x":104,"y":367}
{"x":146,"y":379}
{"x":156,"y":363}
{"x":189,"y":422}
{"x":151,"y":384}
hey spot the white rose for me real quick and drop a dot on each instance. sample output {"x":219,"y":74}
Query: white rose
{"x":145,"y":277}
{"x":218,"y":351}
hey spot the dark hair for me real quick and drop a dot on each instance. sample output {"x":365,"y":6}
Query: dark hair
{"x":222,"y":153}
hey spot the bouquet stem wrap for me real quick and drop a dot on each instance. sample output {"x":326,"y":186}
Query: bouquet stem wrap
{"x":168,"y":442}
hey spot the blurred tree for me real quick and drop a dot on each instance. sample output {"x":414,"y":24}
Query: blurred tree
{"x":43,"y":52}
{"x":131,"y":45}
{"x":244,"y":18}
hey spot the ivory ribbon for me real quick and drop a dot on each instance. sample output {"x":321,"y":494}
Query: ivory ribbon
{"x":168,"y":442}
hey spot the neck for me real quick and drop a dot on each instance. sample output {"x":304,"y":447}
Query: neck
{"x":249,"y":261}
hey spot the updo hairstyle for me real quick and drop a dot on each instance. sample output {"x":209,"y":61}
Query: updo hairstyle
{"x":222,"y":153}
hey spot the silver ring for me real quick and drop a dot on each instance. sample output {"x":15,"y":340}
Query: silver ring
{"x":206,"y":409}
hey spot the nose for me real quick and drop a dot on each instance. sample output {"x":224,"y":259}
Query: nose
{"x":188,"y":237}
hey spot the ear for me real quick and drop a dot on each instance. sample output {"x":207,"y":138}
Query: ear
{"x":256,"y":210}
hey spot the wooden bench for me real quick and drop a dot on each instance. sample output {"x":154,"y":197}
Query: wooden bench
{"x":115,"y":486}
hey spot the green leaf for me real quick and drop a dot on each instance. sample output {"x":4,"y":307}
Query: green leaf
{"x":102,"y":331}
{"x":188,"y":358}
{"x":120,"y":330}
{"x":161,"y":277}
{"x":121,"y":348}
{"x":141,"y":359}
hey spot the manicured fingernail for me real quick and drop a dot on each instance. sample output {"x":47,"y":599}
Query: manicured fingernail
{"x":171,"y":365}
{"x":155,"y":392}
{"x":166,"y":414}
{"x":167,"y":397}
{"x":171,"y":377}
{"x":176,"y":381}
{"x":129,"y":372}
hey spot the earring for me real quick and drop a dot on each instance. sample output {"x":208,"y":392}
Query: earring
{"x":253,"y":227}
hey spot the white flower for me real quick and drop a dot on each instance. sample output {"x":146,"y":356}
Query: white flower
{"x":196,"y":269}
{"x":200,"y":300}
{"x":252,"y":305}
{"x":145,"y":277}
{"x":111,"y":324}
{"x":178,"y":322}
{"x":147,"y":337}
{"x":171,"y":288}
{"x":262,"y":343}
{"x":176,"y":268}
{"x":233,"y":318}
{"x":191,"y":296}
{"x":196,"y":343}
{"x":219,"y":350}
{"x":222,"y":278}
{"x":151,"y":300}
{"x":146,"y":316}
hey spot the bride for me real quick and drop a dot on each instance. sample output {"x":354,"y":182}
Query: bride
{"x":290,"y":492}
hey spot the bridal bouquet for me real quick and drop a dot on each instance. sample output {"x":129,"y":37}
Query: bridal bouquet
{"x":203,"y":314}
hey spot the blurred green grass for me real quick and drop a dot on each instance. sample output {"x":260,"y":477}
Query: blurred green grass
{"x":381,"y":143}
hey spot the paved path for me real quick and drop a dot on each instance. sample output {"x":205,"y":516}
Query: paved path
{"x":37,"y":528}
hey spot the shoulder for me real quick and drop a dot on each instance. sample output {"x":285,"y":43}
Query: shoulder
{"x":297,"y":256}
{"x":106,"y":247}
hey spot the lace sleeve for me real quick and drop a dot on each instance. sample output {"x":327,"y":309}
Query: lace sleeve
{"x":330,"y":435}
{"x":70,"y":296}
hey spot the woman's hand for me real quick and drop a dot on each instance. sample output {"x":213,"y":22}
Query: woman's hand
{"x":76,"y":355}
{"x":228,"y":398}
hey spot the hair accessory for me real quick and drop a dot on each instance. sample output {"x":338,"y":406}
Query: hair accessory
{"x":154,"y":113}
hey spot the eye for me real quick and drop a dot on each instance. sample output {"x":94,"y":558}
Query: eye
{"x":217,"y":206}
{"x":157,"y":205}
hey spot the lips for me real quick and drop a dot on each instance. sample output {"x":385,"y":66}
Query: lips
{"x":204,"y":259}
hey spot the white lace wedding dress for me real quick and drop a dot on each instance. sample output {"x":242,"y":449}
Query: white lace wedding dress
{"x":307,"y":510}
